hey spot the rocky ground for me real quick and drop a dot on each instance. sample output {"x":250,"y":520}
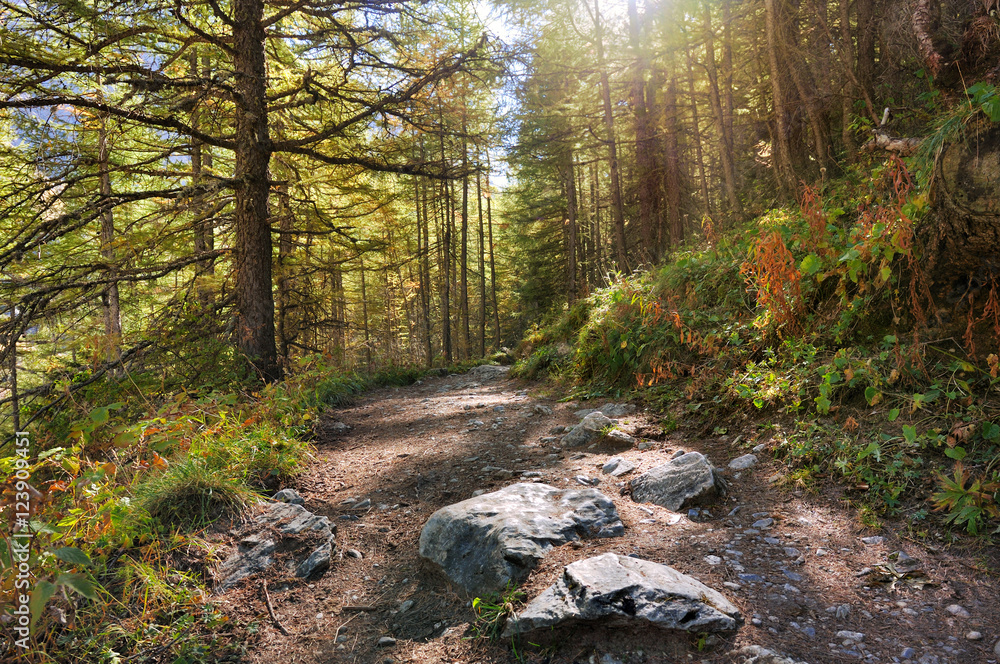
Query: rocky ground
{"x":808,"y":580}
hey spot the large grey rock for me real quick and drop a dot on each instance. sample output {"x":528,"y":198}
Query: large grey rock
{"x":588,"y":430}
{"x":255,"y":553}
{"x":619,"y":591}
{"x":486,"y":372}
{"x":683,"y":482}
{"x":488,"y":541}
{"x":615,"y":410}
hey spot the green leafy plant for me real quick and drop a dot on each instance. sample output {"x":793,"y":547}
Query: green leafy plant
{"x":969,"y":502}
{"x":493,"y":611}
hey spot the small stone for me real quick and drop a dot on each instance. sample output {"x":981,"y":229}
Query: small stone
{"x":386,"y":642}
{"x":288,"y":496}
{"x":791,"y":552}
{"x":974,"y":636}
{"x":908,"y":653}
{"x":743,"y":462}
{"x":713,"y":560}
{"x":645,"y":445}
{"x":617,"y":466}
{"x":364,"y":504}
{"x":853,"y":636}
{"x":763,"y":523}
{"x":620,"y":436}
{"x":873,"y":540}
{"x":498,"y":409}
{"x":809,"y":631}
{"x":792,"y":575}
{"x":406,"y":605}
{"x":531,"y":473}
{"x":996,"y":649}
{"x":757,"y":449}
{"x":751,"y":578}
{"x":539,"y":409}
{"x":957,"y":610}
{"x":587,"y":481}
{"x":353,"y":553}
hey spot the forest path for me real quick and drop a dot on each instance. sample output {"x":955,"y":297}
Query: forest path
{"x":799,"y":580}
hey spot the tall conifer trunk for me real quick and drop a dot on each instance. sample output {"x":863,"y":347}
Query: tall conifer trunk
{"x":617,"y":207}
{"x":254,"y":295}
{"x":109,"y":296}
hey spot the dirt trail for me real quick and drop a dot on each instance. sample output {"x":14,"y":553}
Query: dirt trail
{"x":799,"y":580}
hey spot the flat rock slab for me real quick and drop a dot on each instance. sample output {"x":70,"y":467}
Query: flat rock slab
{"x":683,"y":482}
{"x":488,"y":541}
{"x":620,"y":591}
{"x":280,"y":521}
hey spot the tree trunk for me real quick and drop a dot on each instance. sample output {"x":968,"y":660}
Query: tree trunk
{"x":493,"y":264}
{"x":109,"y":296}
{"x":201,"y":161}
{"x":482,"y":260}
{"x":806,"y":89}
{"x":364,"y":315}
{"x":254,"y":296}
{"x":726,"y":147}
{"x":423,"y":268}
{"x":617,"y":208}
{"x":464,"y":279}
{"x":569,"y":181}
{"x":645,"y":144}
{"x":584,"y":249}
{"x":284,"y":280}
{"x":699,"y":155}
{"x":783,"y":164}
{"x":866,"y":36}
{"x":672,"y":180}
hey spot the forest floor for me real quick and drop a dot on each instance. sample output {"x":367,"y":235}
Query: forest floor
{"x":814,"y":573}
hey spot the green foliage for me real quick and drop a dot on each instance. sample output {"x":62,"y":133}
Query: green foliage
{"x":190,"y":494}
{"x":871,"y":408}
{"x":542,"y":361}
{"x":493,"y":611}
{"x":972,"y":503}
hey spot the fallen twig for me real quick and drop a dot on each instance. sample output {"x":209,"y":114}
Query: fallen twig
{"x":270,"y":609}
